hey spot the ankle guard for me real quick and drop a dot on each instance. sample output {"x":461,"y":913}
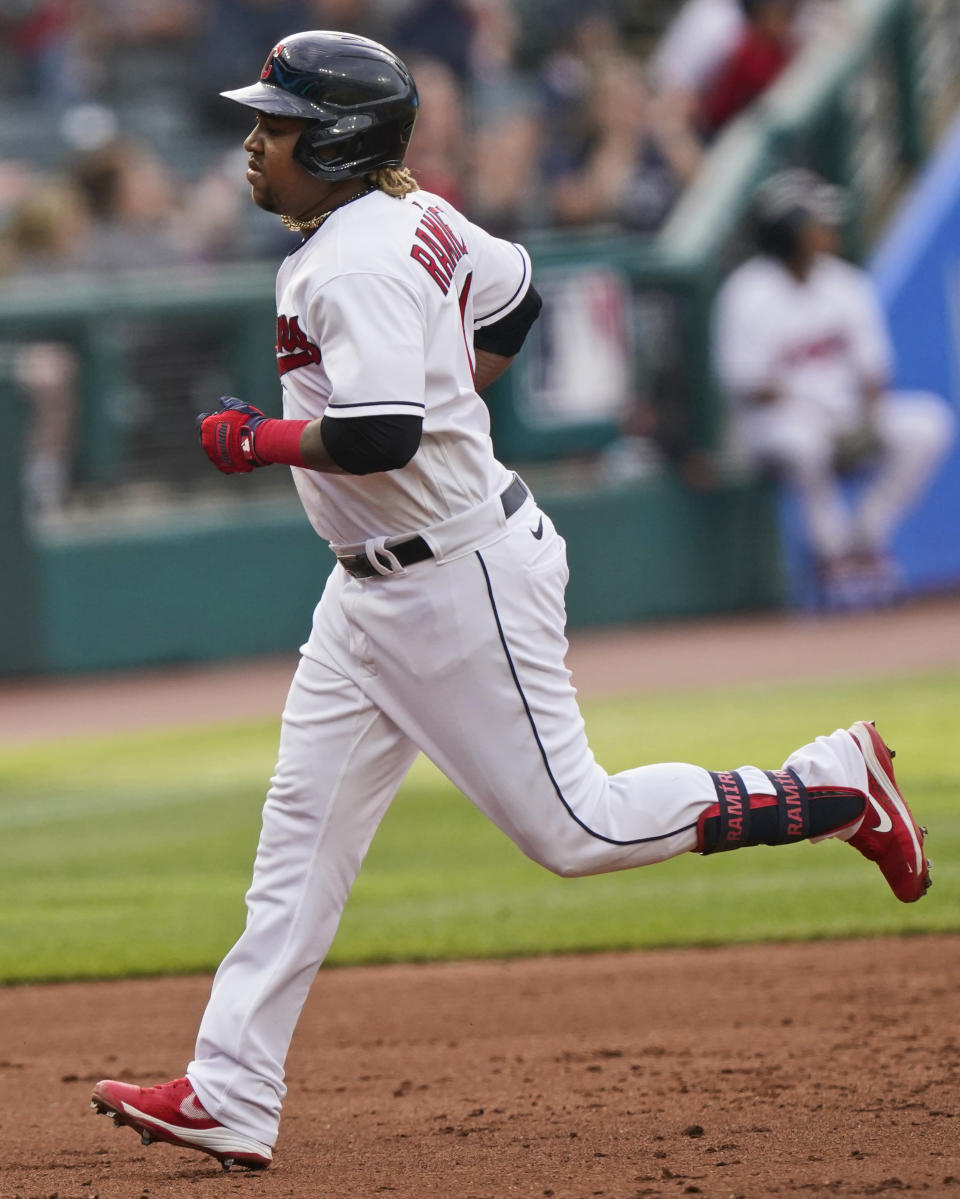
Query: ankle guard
{"x":794,"y":813}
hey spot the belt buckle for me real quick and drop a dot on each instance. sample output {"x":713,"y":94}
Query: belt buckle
{"x":359,"y":566}
{"x":356,"y":566}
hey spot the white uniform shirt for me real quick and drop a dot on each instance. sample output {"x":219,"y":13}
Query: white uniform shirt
{"x":376,"y":314}
{"x":816,"y":342}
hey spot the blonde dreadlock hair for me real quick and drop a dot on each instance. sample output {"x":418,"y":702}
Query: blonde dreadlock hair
{"x":394,"y":181}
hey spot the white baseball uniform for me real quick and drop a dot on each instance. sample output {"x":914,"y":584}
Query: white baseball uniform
{"x":460,"y":656}
{"x":820,"y":345}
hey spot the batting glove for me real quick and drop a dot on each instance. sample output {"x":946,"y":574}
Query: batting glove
{"x":227,"y":436}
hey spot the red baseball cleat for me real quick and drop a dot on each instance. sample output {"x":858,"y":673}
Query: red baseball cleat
{"x":171,"y":1112}
{"x":889,"y":835}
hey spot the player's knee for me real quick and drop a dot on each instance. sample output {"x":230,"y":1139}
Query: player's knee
{"x":939,"y":425}
{"x":921,"y":420}
{"x":565,"y":867}
{"x":560,"y":859}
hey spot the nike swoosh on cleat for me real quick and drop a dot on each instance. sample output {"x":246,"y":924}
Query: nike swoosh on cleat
{"x":886,"y":824}
{"x":190,"y":1108}
{"x":538,"y":531}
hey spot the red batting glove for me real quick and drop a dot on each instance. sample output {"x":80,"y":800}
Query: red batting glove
{"x":227,"y":436}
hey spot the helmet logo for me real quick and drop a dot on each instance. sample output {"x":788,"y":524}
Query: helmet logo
{"x":268,"y":65}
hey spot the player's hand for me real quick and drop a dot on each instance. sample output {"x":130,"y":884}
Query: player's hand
{"x":227,"y":436}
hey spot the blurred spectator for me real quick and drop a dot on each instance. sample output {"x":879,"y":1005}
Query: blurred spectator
{"x":354,"y":15}
{"x":44,"y":231}
{"x":43,"y":237}
{"x":127,"y":21}
{"x":46,"y":373}
{"x":152,"y":69}
{"x":234,"y":34}
{"x":567,"y":72}
{"x":438,"y":29}
{"x":764,"y":48}
{"x":635,"y":155}
{"x":144,"y":215}
{"x":438,"y":149}
{"x":505,"y":120}
{"x":695,"y":45}
{"x":505,"y":194}
{"x":17,"y":180}
{"x":110,"y":26}
{"x":139,"y":56}
{"x":131,"y":203}
{"x":803,"y":353}
{"x":42,"y":42}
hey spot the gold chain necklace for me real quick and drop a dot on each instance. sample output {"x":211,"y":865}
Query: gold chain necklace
{"x":296,"y":226}
{"x":315,"y":222}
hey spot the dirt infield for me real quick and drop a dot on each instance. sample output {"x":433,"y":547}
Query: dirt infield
{"x":815,"y":1069}
{"x":824,"y":1069}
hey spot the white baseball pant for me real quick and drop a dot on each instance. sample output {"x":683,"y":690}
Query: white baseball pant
{"x":915,"y":431}
{"x":463,"y":660}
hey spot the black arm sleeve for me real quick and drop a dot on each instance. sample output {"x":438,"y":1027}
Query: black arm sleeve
{"x":365,"y":445}
{"x":506,"y":336}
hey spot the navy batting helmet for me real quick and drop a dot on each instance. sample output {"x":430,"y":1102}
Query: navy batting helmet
{"x":787,"y":202}
{"x":360,"y":97}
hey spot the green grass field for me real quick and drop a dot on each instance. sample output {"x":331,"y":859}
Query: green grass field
{"x":130,"y":855}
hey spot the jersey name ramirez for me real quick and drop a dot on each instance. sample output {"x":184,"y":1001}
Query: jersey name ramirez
{"x":437,"y":248}
{"x":293,"y":348}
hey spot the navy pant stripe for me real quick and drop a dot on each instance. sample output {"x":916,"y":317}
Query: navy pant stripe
{"x":543,"y":753}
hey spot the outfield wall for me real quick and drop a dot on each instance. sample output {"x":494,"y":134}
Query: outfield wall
{"x":197,"y":589}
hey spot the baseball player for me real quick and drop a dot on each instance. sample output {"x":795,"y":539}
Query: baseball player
{"x":441,"y":626}
{"x":803,"y":353}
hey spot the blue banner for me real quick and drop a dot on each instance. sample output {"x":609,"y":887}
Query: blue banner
{"x":917,"y":271}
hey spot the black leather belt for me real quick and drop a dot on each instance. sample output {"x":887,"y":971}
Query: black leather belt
{"x":416,"y":549}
